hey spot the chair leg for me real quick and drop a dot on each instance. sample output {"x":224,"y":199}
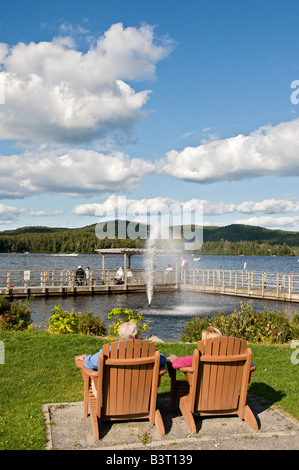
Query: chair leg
{"x":250,"y":419}
{"x":95,"y":426}
{"x":86,"y":393}
{"x":187,"y":414}
{"x":159,"y":423}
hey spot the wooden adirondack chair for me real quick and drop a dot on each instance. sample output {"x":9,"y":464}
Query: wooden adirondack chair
{"x":125,"y":385}
{"x":219,"y":377}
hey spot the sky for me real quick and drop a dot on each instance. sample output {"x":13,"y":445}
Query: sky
{"x":155,"y":103}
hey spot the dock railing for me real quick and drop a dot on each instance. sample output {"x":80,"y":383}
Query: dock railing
{"x":267,"y":285}
{"x":272,"y":285}
{"x":39,"y":281}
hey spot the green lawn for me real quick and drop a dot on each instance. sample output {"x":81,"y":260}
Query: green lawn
{"x":39,"y":368}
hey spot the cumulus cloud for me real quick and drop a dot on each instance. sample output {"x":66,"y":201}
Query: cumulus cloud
{"x":120,"y":206}
{"x":54,"y":92}
{"x":271,"y":150}
{"x":267,"y":206}
{"x":70,"y":172}
{"x":159,"y":204}
{"x":273,"y":211}
{"x":139,"y":210}
{"x":281,"y":223}
{"x":9,"y":214}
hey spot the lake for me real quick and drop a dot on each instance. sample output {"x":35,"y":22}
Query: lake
{"x":169,"y":311}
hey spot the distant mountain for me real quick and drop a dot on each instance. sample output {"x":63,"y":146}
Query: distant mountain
{"x":238,"y":232}
{"x":231,"y":239}
{"x":32,"y":229}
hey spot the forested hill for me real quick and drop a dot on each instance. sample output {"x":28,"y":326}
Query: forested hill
{"x":232,"y":239}
{"x":238,"y":232}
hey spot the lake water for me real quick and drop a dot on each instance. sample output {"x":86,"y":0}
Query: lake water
{"x":169,"y":311}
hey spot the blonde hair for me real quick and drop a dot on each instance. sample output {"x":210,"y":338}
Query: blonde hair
{"x":210,"y":332}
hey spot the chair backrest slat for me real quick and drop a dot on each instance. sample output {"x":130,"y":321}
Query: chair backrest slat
{"x":220,"y":376}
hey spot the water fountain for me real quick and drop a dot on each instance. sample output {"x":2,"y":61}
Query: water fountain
{"x":149,"y":264}
{"x":159,"y":242}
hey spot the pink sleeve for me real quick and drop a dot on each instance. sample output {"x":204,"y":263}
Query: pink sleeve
{"x":184,"y":361}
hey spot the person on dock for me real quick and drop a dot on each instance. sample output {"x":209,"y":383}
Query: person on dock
{"x":119,"y":276}
{"x":80,"y":275}
{"x":184,"y":264}
{"x":87,"y":275}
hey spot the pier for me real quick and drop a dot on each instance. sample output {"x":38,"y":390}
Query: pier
{"x":42,"y":283}
{"x":242,"y":283}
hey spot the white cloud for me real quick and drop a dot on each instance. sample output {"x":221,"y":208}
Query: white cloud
{"x":72,"y":173}
{"x":54,"y":92}
{"x":120,"y":206}
{"x":281,"y":223}
{"x":267,"y":206}
{"x":159,"y":204}
{"x":271,"y":150}
{"x":142,"y":209}
{"x":9,"y":214}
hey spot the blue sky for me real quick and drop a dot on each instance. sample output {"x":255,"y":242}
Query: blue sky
{"x":158,"y":102}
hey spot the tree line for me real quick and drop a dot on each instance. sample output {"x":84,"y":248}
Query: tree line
{"x":224,"y":247}
{"x":232,"y":240}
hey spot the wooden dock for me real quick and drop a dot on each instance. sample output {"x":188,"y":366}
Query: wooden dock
{"x":242,"y":283}
{"x":45,"y":283}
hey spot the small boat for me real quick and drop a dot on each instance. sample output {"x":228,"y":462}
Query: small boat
{"x":65,"y":254}
{"x":196,"y":259}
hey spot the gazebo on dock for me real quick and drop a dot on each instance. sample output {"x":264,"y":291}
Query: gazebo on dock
{"x":127,"y":252}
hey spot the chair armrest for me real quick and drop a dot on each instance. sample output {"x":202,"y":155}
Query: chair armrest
{"x":79,"y":361}
{"x":252,"y":369}
{"x":162,"y":371}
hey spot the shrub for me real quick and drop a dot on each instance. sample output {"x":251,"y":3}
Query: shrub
{"x":75,"y":322}
{"x":263,"y":326}
{"x":90,"y":325}
{"x":62,"y":322}
{"x":295,"y":325}
{"x":14,"y":315}
{"x":125,"y":315}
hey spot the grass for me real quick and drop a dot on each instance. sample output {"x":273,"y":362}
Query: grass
{"x":39,"y":368}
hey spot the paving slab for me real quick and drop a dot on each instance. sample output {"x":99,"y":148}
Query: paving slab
{"x":68,"y":430}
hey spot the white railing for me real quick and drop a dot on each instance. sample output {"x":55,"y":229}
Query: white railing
{"x":282,"y":286}
{"x":251,"y":283}
{"x":14,"y":279}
